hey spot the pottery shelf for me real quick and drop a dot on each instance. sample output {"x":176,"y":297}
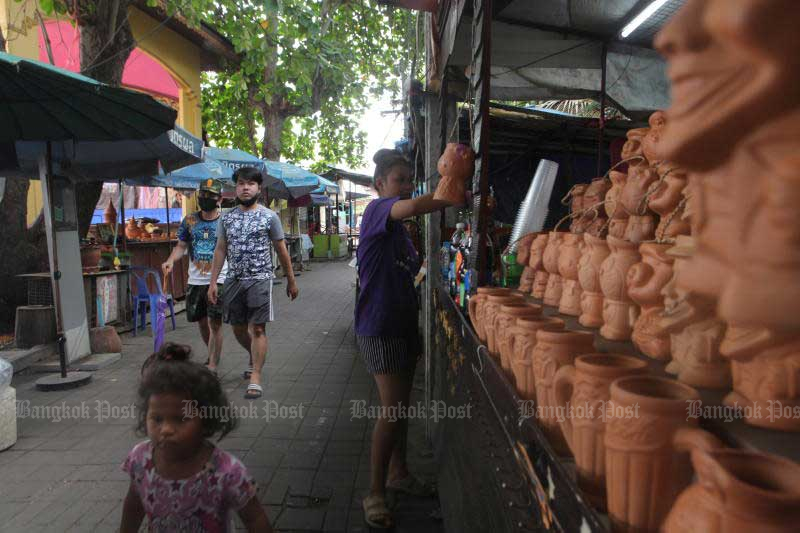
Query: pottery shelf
{"x":480,"y":450}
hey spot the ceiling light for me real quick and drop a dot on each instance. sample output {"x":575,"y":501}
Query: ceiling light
{"x":641,"y":17}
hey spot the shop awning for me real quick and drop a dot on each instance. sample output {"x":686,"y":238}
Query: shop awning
{"x":320,"y":199}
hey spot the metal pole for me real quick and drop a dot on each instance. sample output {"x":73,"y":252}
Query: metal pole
{"x":169,"y":239}
{"x":122,"y":236}
{"x":601,"y":131}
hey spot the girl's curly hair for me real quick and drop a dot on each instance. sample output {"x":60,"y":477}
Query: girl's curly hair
{"x":170,"y":370}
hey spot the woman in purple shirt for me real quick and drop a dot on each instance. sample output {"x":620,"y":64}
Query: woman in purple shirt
{"x":386,"y":324}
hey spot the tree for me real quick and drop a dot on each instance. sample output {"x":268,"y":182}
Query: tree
{"x":308,"y":68}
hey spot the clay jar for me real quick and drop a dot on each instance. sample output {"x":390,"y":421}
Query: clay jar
{"x":553,"y":350}
{"x":552,"y":294}
{"x":595,"y":252}
{"x":488,"y":312}
{"x":568,"y":257}
{"x":613,"y":207}
{"x":522,"y":341}
{"x":737,"y":491}
{"x":645,"y":283}
{"x":645,"y":471}
{"x":505,"y":319}
{"x":619,"y":311}
{"x":577,"y":194}
{"x":456,"y":165}
{"x":476,"y":307}
{"x":634,"y":199}
{"x":665,"y":201}
{"x":593,"y":200}
{"x":526,"y":280}
{"x":536,"y":263}
{"x":585,"y":387}
{"x":524,"y":248}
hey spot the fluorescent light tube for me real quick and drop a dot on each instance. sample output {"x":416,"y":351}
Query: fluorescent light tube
{"x":641,"y":17}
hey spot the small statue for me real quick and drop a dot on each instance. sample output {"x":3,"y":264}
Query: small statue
{"x":456,"y":166}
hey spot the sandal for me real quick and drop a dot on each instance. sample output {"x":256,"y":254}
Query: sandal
{"x":376,"y":514}
{"x":247,"y":373}
{"x":213,"y":371}
{"x":253,"y":392}
{"x":414,"y":486}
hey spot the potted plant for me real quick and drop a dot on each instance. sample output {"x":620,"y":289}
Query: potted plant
{"x":106,"y":261}
{"x":124,"y":260}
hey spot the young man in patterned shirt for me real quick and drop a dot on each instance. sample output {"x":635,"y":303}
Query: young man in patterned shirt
{"x":245,"y":237}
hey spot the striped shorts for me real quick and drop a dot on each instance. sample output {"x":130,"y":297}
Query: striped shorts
{"x":390,"y":355}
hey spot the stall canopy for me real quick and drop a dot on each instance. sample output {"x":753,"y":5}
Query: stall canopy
{"x":554,"y":50}
{"x":298,"y":181}
{"x":188,"y":177}
{"x":326,"y":186}
{"x":337,"y":174}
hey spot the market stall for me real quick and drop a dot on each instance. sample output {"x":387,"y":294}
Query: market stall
{"x":623,"y":370}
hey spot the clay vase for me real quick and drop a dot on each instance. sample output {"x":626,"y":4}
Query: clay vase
{"x":552,"y":294}
{"x":526,"y":280}
{"x":456,"y":166}
{"x":645,"y":282}
{"x":110,"y":214}
{"x":537,"y":264}
{"x":504,"y":320}
{"x":738,"y":490}
{"x":576,"y":206}
{"x":619,"y":311}
{"x":488,"y":312}
{"x":568,"y":258}
{"x":593,"y":199}
{"x":553,"y":350}
{"x":645,"y":470}
{"x":641,"y":221}
{"x":585,"y":387}
{"x":613,"y":207}
{"x":595,"y":252}
{"x":522,"y":341}
{"x":524,"y":248}
{"x":695,"y":331}
{"x":476,"y":306}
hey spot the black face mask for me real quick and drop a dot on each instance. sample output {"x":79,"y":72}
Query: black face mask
{"x":248,"y":203}
{"x":207,"y":204}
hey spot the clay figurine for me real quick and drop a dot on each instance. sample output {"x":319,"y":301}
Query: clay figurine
{"x":595,"y":252}
{"x":619,"y":311}
{"x":536,"y":263}
{"x":552,"y":294}
{"x":645,"y":283}
{"x":456,"y":166}
{"x":569,"y":255}
{"x":631,"y":150}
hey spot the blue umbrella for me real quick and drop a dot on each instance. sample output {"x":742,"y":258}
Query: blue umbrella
{"x":188,"y":177}
{"x":298,"y":181}
{"x":235,"y":159}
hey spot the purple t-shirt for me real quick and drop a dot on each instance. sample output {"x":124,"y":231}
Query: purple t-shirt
{"x":387,"y":264}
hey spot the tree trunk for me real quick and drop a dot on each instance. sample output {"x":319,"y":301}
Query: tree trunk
{"x":274,"y":119}
{"x":106,"y":44}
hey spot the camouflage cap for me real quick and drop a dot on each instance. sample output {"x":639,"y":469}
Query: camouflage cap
{"x":211,"y":185}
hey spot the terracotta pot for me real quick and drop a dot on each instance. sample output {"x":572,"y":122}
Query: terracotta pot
{"x":553,"y":350}
{"x":536,"y":263}
{"x":576,"y":206}
{"x":522,"y":341}
{"x":585,"y":387}
{"x":526,"y":280}
{"x":568,"y":258}
{"x":619,"y":311}
{"x":613,"y":207}
{"x":524,"y":248}
{"x":695,"y":331}
{"x":645,"y":471}
{"x":456,"y":166}
{"x":738,"y":490}
{"x":132,"y":230}
{"x":664,"y":202}
{"x":595,"y":252}
{"x":640,"y":228}
{"x":489,"y":310}
{"x":552,"y":294}
{"x":593,"y":199}
{"x":104,"y":340}
{"x":645,"y":282}
{"x":504,"y":320}
{"x":476,"y":305}
{"x":110,"y":214}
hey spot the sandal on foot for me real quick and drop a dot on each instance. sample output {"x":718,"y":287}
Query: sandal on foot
{"x":253,"y":392}
{"x":213,"y":371}
{"x":247,"y":373}
{"x":376,"y":514}
{"x":414,"y":486}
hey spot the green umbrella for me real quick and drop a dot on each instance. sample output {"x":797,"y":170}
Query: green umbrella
{"x":39,"y":102}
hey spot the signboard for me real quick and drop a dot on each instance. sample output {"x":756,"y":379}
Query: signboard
{"x":186,"y":142}
{"x":107,"y":298}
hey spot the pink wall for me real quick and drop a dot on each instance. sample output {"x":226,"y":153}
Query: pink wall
{"x":141,"y":71}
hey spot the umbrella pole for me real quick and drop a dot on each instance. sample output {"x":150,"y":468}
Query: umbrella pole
{"x":169,"y":237}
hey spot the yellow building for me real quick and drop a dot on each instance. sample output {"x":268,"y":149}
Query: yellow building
{"x":183,"y":52}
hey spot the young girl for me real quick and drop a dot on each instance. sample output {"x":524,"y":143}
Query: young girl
{"x":179,"y":479}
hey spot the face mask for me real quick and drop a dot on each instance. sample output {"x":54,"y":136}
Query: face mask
{"x":249,"y":202}
{"x":207,"y":204}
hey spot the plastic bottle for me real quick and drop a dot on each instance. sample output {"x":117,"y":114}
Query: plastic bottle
{"x":444,"y":259}
{"x":458,"y":235}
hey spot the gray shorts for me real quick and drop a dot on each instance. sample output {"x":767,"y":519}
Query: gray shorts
{"x":247,"y":301}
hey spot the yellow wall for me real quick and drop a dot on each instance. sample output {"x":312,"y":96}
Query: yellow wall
{"x":181,"y":58}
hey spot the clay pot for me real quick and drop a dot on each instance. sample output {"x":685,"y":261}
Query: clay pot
{"x":110,"y":214}
{"x":593,"y":198}
{"x":105,"y":340}
{"x":645,"y":471}
{"x":476,"y":305}
{"x":595,"y":252}
{"x":132,"y":230}
{"x":613,"y":207}
{"x":645,"y":283}
{"x":619,"y":311}
{"x":634,"y":199}
{"x":552,"y":294}
{"x":738,"y":490}
{"x":504,"y":320}
{"x":665,"y":201}
{"x":456,"y":166}
{"x":522,"y":341}
{"x":695,"y":331}
{"x":578,"y":225}
{"x":568,"y":258}
{"x":537,"y":264}
{"x":585,"y":387}
{"x":489,"y":310}
{"x":553,"y":350}
{"x":524,"y":248}
{"x":526,"y":280}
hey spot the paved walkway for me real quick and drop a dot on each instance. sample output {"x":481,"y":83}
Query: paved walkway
{"x":312,"y":471}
